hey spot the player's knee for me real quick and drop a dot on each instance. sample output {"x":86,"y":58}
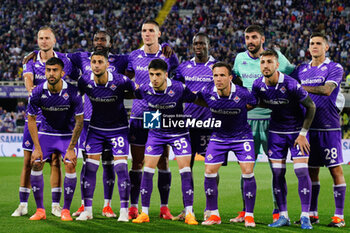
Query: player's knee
{"x":70,"y":168}
{"x":247,"y":168}
{"x":37,"y":167}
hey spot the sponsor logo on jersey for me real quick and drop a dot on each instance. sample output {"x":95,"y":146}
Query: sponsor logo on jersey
{"x":120,"y":152}
{"x":249,"y":157}
{"x":184,"y":151}
{"x":43,"y":96}
{"x":139,"y":56}
{"x":244,"y":63}
{"x":189,"y":66}
{"x":313,"y":80}
{"x":37,"y":65}
{"x":169,"y":105}
{"x":213,"y":98}
{"x":89,"y":86}
{"x":65,"y":96}
{"x":276,"y":101}
{"x":171,"y":93}
{"x":262,"y":89}
{"x":111,"y":68}
{"x":142,"y":68}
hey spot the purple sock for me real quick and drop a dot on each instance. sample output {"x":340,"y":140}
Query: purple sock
{"x":56,"y":194}
{"x":81,"y":180}
{"x":187,"y":188}
{"x":23,"y":194}
{"x":37,"y":183}
{"x":89,"y":181}
{"x":249,"y":190}
{"x":70,"y":181}
{"x":339,"y":198}
{"x":135,"y":180}
{"x":108,"y":179}
{"x":314,"y":195}
{"x":121,"y":169}
{"x":146,"y":186}
{"x":211,"y":191}
{"x":164,"y":182}
{"x":304,"y":187}
{"x":279,"y":185}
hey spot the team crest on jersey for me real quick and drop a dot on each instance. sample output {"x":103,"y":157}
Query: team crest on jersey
{"x":211,"y":66}
{"x":24,"y":66}
{"x":171,"y":93}
{"x":324,"y":68}
{"x":270,"y":152}
{"x":236,"y":99}
{"x":111,"y":59}
{"x":209,"y":157}
{"x":65,"y":96}
{"x":149,"y":149}
{"x":27,"y":143}
{"x":113,"y":87}
{"x":283,"y":89}
{"x":87,"y":147}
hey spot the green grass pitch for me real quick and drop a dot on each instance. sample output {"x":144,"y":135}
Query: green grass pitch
{"x":229,"y":203}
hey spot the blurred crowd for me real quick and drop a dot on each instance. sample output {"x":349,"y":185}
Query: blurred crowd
{"x":288,"y":24}
{"x":12,"y":122}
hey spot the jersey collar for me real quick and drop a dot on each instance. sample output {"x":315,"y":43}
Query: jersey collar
{"x":64,"y":86}
{"x":110,"y":78}
{"x":39,"y":58}
{"x":326,"y":61}
{"x":211,"y":59}
{"x":168,"y":84}
{"x":233,"y":89}
{"x":145,"y":54}
{"x":280,"y":79}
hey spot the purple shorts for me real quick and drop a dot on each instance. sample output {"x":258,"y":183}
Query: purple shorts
{"x":218,"y":149}
{"x":53,"y":144}
{"x":27,"y":143}
{"x":116,"y":140}
{"x":83,"y":134}
{"x":200,"y":140}
{"x":155,"y":145}
{"x":326,"y":148}
{"x":278,"y":145}
{"x":137,"y":134}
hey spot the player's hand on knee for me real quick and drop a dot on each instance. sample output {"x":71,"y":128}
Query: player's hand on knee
{"x":36,"y":155}
{"x":71,"y":156}
{"x":303,"y":144}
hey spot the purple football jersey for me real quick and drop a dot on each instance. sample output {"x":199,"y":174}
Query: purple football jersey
{"x":138,"y":63}
{"x":82,"y":60}
{"x":168,"y":102}
{"x":327,"y":112}
{"x":284,"y":101}
{"x":37,"y":68}
{"x":58,"y":110}
{"x":196,"y":76}
{"x":108,"y":111}
{"x":230,"y":110}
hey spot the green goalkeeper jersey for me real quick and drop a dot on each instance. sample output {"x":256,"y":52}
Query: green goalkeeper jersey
{"x":248,"y":68}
